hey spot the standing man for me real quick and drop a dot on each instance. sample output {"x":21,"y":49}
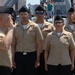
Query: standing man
{"x":50,"y":9}
{"x":45,"y":27}
{"x":71,"y":28}
{"x":26,"y":44}
{"x":59,"y":52}
{"x":73,"y":21}
{"x":6,"y":35}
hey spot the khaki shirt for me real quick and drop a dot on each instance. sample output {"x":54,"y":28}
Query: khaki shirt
{"x":67,"y":28}
{"x":26,"y":38}
{"x":59,"y":48}
{"x":5,"y":56}
{"x":46,"y":28}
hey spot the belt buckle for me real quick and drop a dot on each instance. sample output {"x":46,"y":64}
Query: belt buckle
{"x":24,"y":53}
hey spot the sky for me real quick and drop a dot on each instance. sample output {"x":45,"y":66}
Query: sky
{"x":32,"y":2}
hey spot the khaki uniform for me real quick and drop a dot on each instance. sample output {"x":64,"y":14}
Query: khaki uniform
{"x":5,"y":56}
{"x":67,"y":28}
{"x":26,"y":38}
{"x":59,"y":48}
{"x":46,"y":28}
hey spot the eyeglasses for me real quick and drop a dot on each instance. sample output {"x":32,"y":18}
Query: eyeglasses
{"x":73,"y":22}
{"x":39,"y":13}
{"x":58,"y":22}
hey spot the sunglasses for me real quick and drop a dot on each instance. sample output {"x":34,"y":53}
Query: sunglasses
{"x":39,"y":13}
{"x":73,"y":22}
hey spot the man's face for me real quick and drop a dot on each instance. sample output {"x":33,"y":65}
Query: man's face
{"x":69,"y":16}
{"x":73,"y":17}
{"x":24,"y":16}
{"x":6,"y":19}
{"x":39,"y":14}
{"x":58,"y":24}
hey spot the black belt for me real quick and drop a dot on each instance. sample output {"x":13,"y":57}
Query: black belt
{"x":5,"y":67}
{"x":25,"y":53}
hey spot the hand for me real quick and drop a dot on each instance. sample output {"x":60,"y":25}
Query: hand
{"x":46,"y":67}
{"x":13,"y":64}
{"x":72,"y":67}
{"x":37,"y":63}
{"x":10,"y":21}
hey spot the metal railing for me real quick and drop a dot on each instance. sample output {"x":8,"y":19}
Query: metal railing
{"x":10,"y":3}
